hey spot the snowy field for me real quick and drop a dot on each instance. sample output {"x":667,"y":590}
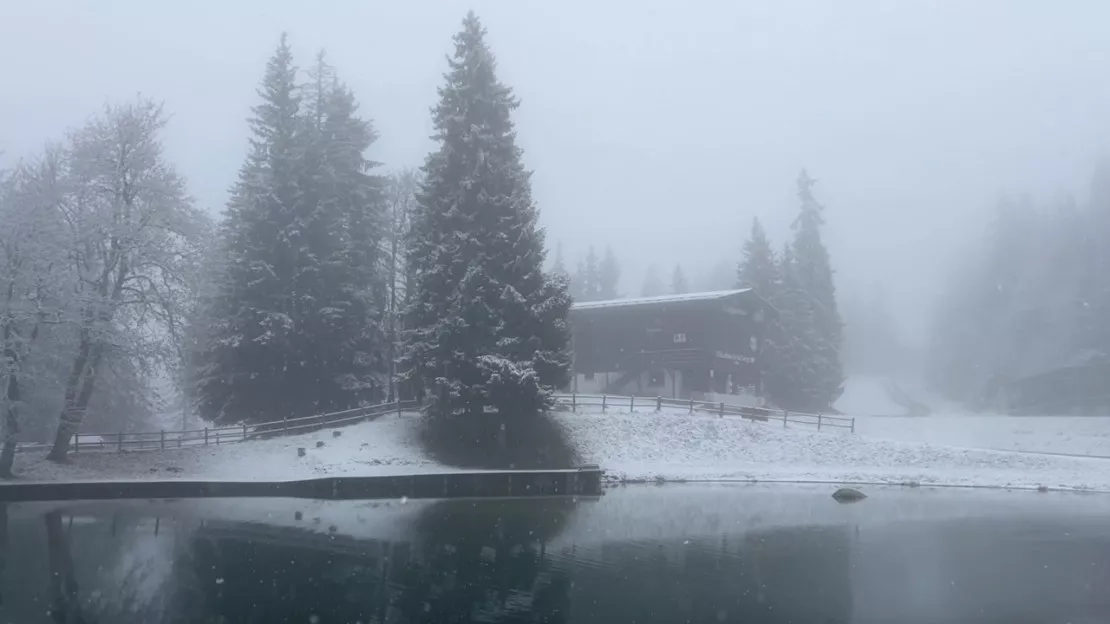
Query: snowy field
{"x":879,"y":415}
{"x":1070,"y":435}
{"x":636,"y":446}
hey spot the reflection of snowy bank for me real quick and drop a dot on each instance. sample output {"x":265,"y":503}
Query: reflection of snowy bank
{"x":700,"y":510}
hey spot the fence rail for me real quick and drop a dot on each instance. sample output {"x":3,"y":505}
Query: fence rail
{"x":215,"y":436}
{"x":607,"y":401}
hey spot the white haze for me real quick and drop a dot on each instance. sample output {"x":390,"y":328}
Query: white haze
{"x":657,"y":127}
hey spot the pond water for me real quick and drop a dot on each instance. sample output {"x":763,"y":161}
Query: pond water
{"x":676,"y":553}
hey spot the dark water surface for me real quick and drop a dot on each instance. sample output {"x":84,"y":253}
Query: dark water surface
{"x":678,"y":553}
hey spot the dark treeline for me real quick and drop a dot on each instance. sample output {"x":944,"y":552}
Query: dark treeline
{"x":1025,"y":322}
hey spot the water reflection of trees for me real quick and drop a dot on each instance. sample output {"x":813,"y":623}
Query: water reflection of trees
{"x":787,"y":575}
{"x":459,"y":561}
{"x":469,"y":560}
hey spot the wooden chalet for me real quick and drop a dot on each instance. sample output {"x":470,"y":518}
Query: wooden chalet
{"x":693,"y":345}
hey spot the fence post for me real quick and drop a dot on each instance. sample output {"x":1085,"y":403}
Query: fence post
{"x":244,"y":431}
{"x":632,"y":403}
{"x":818,"y":422}
{"x":659,"y":404}
{"x":853,"y":424}
{"x":785,"y":415}
{"x":120,"y":434}
{"x":162,"y":439}
{"x":284,"y":427}
{"x":76,"y":442}
{"x":603,"y":399}
{"x":691,"y":406}
{"x":206,"y":436}
{"x":573,"y":402}
{"x":722,"y":415}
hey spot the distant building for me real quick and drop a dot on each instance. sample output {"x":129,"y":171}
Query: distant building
{"x":694,"y":345}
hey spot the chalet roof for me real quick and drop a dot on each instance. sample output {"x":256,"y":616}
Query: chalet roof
{"x":621,"y":303}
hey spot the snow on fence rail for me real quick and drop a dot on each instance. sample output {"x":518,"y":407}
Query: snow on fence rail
{"x":162,"y":440}
{"x":604,"y":401}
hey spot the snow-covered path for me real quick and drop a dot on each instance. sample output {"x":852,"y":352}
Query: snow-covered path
{"x":632,"y":446}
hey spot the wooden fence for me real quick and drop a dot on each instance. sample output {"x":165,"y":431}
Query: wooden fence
{"x":574,"y":402}
{"x":162,"y":440}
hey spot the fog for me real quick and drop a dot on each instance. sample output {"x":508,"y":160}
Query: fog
{"x":661,"y":130}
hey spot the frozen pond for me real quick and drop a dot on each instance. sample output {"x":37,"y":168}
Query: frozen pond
{"x":678,"y":553}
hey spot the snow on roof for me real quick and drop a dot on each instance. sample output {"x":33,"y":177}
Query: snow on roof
{"x":620,"y":303}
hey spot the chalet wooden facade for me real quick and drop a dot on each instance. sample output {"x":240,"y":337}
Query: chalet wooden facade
{"x":680,"y":346}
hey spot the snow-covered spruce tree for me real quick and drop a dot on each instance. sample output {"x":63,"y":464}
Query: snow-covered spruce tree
{"x":653,"y":283}
{"x":790,"y":368}
{"x":587,"y":280}
{"x":343,"y":289}
{"x":608,"y":275}
{"x":757,"y":268}
{"x":242,"y":372}
{"x":814,"y":275}
{"x":559,"y":267}
{"x":296,"y":323}
{"x":679,"y":286}
{"x":486,"y":327}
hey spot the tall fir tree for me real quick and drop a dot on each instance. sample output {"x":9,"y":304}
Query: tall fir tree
{"x":757,"y":268}
{"x":486,"y":326}
{"x":296,"y":323}
{"x":679,"y":286}
{"x":814,"y":274}
{"x":653,"y":283}
{"x":608,"y":275}
{"x":588,"y":278}
{"x":577,"y":291}
{"x":559,"y":267}
{"x":344,"y":287}
{"x":247,"y":352}
{"x":791,"y":378}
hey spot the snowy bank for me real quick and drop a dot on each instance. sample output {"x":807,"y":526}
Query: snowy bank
{"x":380,"y":447}
{"x":636,"y":446}
{"x":646,"y":446}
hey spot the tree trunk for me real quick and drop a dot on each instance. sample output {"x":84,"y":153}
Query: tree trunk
{"x":79,"y":388}
{"x":66,"y":604}
{"x":11,"y":415}
{"x":11,"y":428}
{"x":393,"y":317}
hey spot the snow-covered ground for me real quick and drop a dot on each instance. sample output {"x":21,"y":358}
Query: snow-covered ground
{"x":384,"y":446}
{"x":647,"y":446}
{"x":866,"y":395}
{"x":629,"y":446}
{"x":1071,"y":435}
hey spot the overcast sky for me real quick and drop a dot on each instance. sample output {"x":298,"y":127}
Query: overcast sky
{"x":661,"y":128}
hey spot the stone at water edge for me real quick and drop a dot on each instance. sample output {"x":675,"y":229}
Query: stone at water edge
{"x":848,"y":495}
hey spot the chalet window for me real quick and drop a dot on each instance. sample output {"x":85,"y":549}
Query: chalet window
{"x":589,"y":376}
{"x":657,"y":378}
{"x":679,"y":338}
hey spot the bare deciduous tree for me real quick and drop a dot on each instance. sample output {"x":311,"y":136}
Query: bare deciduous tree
{"x":133,"y":240}
{"x":34,"y":284}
